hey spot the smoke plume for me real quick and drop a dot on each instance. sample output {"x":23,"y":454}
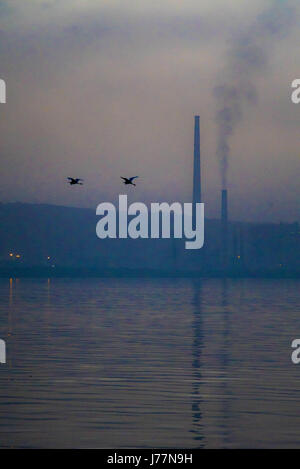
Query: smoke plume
{"x":248,"y":57}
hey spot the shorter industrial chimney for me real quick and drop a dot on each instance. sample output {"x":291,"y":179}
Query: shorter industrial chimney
{"x":197,"y":163}
{"x":224,"y":229}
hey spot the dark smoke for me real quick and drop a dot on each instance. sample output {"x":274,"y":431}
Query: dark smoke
{"x":248,"y":57}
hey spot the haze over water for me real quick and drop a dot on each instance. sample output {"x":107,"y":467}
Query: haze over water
{"x":99,"y":90}
{"x":149,"y":363}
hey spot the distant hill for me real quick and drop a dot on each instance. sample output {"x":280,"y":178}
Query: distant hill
{"x":44,"y":235}
{"x":57,"y":240}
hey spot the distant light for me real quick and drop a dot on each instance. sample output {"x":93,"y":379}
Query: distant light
{"x":11,"y":254}
{"x":48,"y":258}
{"x":238,"y":257}
{"x":18,"y":255}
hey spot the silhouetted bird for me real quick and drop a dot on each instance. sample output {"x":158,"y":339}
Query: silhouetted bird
{"x":129,"y":180}
{"x":73,"y":181}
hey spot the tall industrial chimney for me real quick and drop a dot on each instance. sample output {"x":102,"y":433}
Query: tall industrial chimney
{"x":197,"y":165}
{"x":224,"y":228}
{"x":224,"y":209}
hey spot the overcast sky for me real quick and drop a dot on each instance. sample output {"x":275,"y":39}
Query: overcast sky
{"x":102,"y":89}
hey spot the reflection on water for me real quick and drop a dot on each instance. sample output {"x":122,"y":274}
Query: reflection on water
{"x":149,"y":363}
{"x":197,"y":346}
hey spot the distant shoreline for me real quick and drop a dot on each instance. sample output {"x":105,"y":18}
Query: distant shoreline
{"x":81,"y":272}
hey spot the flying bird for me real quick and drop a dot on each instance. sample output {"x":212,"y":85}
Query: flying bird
{"x":129,"y":180}
{"x":73,"y":181}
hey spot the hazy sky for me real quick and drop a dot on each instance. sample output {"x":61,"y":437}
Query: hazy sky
{"x":102,"y":89}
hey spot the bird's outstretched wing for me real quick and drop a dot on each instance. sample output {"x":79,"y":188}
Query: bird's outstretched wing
{"x":134,"y":177}
{"x":70,"y":179}
{"x":125,"y":179}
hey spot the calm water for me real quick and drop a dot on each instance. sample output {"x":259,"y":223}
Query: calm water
{"x":149,"y":363}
